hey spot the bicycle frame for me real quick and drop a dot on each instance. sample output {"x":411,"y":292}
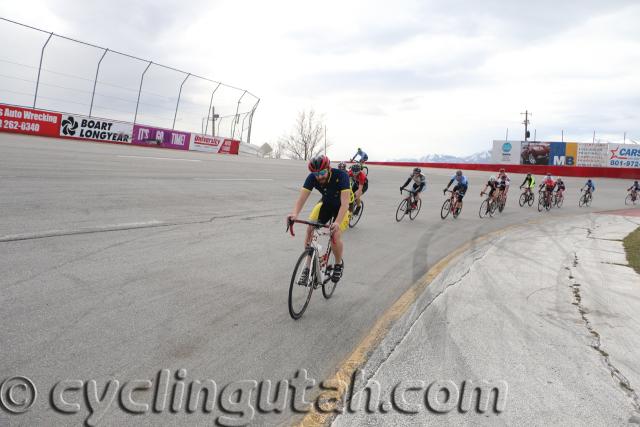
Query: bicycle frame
{"x":319,"y":262}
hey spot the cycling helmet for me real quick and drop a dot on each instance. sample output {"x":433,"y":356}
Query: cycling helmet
{"x":318,"y":163}
{"x":418,"y":170}
{"x":492,"y":178}
{"x":501,"y":170}
{"x":528,"y":175}
{"x":359,"y":149}
{"x":356,"y":168}
{"x":635,"y":182}
{"x":342,"y":166}
{"x":458,"y":173}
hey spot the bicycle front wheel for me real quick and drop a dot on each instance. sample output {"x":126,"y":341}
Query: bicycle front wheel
{"x":523,"y":199}
{"x":353,"y":220}
{"x":413,"y":213}
{"x":446,"y":207}
{"x":402,"y":210}
{"x":365,"y":169}
{"x":559,"y":201}
{"x":540,"y":203}
{"x":484,"y":209}
{"x":629,"y":200}
{"x":301,"y":286}
{"x":582,"y":201}
{"x":327,"y":285}
{"x":588,"y":200}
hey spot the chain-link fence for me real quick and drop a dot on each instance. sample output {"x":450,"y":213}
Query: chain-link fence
{"x":51,"y":72}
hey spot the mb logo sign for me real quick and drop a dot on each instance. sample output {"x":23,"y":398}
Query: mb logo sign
{"x":563,"y":161}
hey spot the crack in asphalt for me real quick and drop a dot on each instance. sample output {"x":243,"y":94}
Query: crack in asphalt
{"x":119,"y":227}
{"x":596,"y":344}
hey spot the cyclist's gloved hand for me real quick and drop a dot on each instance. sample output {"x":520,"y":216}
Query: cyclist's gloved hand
{"x":291,"y":217}
{"x":401,"y":188}
{"x":444,"y":191}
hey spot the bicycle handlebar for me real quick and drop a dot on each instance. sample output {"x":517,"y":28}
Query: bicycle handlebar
{"x":301,"y":221}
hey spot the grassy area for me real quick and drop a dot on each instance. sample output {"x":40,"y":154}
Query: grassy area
{"x":632,"y":247}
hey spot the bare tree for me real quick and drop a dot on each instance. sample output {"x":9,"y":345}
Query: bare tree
{"x":307,"y":138}
{"x":279,"y":150}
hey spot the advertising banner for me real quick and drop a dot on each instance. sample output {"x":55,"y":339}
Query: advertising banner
{"x":28,"y":121}
{"x":157,"y":137}
{"x":506,"y":152}
{"x":213,"y":144}
{"x":623,"y":156}
{"x":592,"y":154}
{"x":560,"y":155}
{"x":81,"y":127}
{"x":535,"y":153}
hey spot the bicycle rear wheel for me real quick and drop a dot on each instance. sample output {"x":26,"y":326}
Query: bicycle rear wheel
{"x":353,"y":220}
{"x":532,"y":199}
{"x":413,"y":213}
{"x":446,"y":207}
{"x":402,"y":210}
{"x":300,"y":290}
{"x":327,"y":284}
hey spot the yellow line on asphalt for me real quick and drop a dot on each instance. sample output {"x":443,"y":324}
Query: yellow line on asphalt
{"x":359,"y":356}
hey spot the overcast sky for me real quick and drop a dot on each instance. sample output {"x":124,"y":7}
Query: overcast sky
{"x":400,"y":79}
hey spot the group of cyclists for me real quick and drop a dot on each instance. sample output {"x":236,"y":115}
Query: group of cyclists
{"x":337,"y":184}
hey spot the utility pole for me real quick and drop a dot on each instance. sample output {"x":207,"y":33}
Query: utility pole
{"x":325,"y":140}
{"x":526,"y":124}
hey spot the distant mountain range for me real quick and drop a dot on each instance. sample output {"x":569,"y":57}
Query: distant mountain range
{"x":481,"y":157}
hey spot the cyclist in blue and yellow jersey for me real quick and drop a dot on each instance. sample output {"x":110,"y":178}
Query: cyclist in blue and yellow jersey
{"x":462,"y":184}
{"x":362,"y":154}
{"x":334,"y":186}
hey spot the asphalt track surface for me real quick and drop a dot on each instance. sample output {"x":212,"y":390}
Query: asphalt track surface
{"x":119,"y":261}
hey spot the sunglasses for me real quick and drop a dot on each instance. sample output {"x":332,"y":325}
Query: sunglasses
{"x":321,"y":173}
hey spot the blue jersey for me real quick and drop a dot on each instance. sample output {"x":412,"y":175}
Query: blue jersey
{"x":362,"y":154}
{"x":338,"y":182}
{"x":462,"y":181}
{"x":591,"y":185}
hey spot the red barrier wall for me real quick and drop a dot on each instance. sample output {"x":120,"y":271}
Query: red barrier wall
{"x":576,"y":171}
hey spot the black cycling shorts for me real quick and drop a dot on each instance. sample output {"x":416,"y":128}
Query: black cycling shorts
{"x":461,"y":189}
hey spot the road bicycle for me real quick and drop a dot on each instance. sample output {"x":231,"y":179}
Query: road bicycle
{"x":632,"y":198}
{"x":319,"y":269}
{"x":502,"y":201}
{"x":544,"y":201}
{"x":585,"y":199}
{"x":527,"y":197}
{"x":409,"y":205}
{"x":451,"y":205}
{"x":488,"y":206}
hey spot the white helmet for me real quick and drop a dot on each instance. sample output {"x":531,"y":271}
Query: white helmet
{"x":492,"y":178}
